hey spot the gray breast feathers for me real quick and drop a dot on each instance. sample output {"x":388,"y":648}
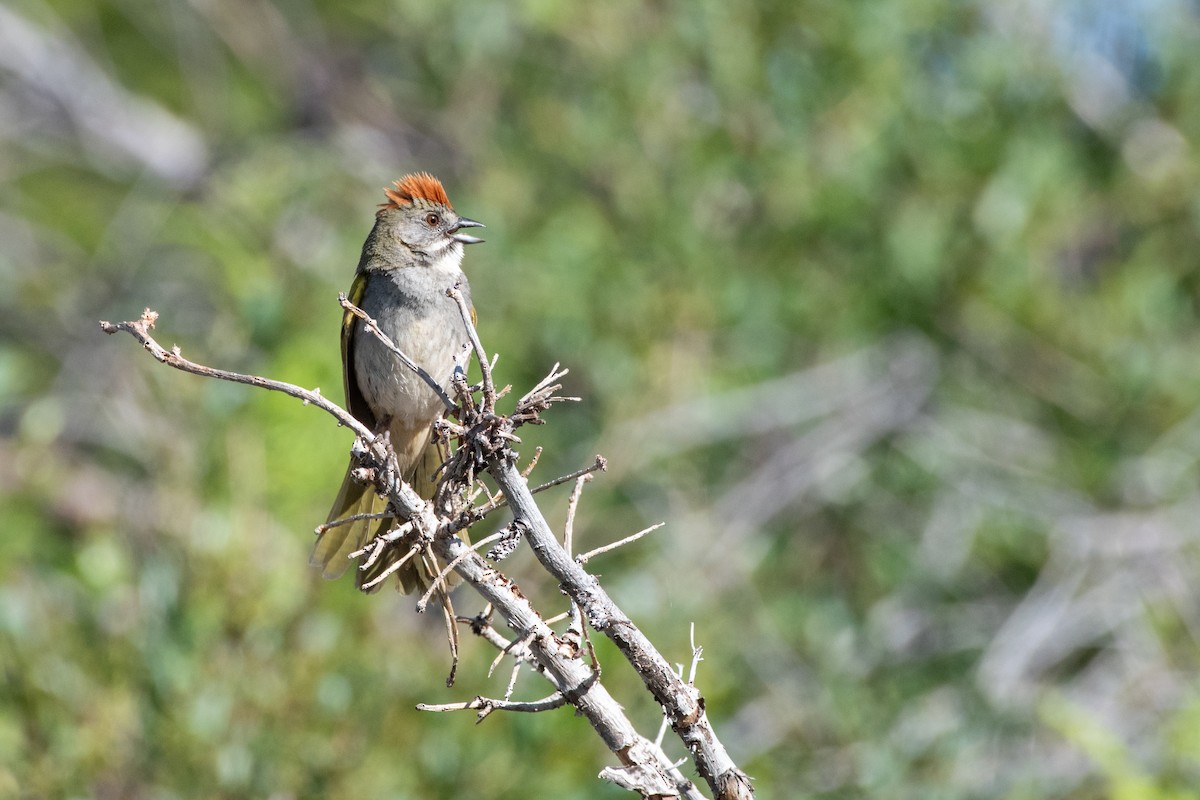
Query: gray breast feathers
{"x":412,"y":308}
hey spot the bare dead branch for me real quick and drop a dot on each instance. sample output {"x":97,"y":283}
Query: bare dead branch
{"x":520,"y":645}
{"x":572,"y":504}
{"x":697,"y":656}
{"x":540,"y":398}
{"x":407,"y":501}
{"x":451,"y":627}
{"x":375,"y":548}
{"x":481,"y":626}
{"x":599,"y":464}
{"x":681,"y":703}
{"x":487,"y":705}
{"x":585,"y":557}
{"x":537,"y":453}
{"x":140,"y":330}
{"x":512,"y":681}
{"x":325,"y":526}
{"x":542,"y":385}
{"x":414,"y":552}
{"x":397,"y":533}
{"x":483,"y":441}
{"x":637,"y":779}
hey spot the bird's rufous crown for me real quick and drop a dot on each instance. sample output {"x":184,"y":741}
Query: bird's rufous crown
{"x":419,"y":188}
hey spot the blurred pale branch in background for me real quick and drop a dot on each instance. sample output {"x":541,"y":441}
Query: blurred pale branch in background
{"x":110,"y":123}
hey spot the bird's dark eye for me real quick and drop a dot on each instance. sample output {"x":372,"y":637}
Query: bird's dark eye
{"x":432,"y":220}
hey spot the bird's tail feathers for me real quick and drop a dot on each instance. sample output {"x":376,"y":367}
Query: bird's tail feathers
{"x":333,"y":548}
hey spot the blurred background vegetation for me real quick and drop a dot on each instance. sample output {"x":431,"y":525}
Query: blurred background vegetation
{"x":888,"y":309}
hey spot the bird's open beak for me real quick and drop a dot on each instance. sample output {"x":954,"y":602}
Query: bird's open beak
{"x":466,"y":238}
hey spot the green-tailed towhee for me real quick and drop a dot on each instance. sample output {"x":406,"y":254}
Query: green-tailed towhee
{"x":408,"y":262}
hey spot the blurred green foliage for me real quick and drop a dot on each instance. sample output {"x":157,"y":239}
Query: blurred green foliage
{"x":890,"y":310}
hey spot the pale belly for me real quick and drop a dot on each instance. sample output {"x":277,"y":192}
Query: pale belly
{"x":413,"y":310}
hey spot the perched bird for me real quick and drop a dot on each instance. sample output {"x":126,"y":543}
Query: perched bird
{"x":411,"y":258}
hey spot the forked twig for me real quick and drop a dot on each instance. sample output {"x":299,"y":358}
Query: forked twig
{"x":415,"y":550}
{"x":140,"y":329}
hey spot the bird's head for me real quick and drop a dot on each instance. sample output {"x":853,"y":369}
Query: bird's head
{"x":419,"y":219}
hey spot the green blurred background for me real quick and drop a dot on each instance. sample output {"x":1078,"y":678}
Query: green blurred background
{"x":888,"y":309}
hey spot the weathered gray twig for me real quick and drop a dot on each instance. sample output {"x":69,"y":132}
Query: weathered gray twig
{"x":487,"y":705}
{"x":600,"y":464}
{"x":414,"y":552}
{"x":485,"y":367}
{"x":407,"y":502}
{"x":537,"y":453}
{"x":572,"y":505}
{"x":337,"y":523}
{"x":140,"y":330}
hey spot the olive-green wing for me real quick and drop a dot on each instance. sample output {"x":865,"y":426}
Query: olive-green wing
{"x":356,"y":404}
{"x":331,"y":550}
